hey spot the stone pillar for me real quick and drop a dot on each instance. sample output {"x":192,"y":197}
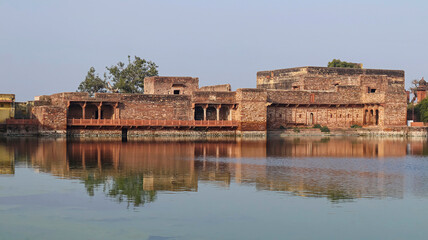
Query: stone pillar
{"x":218,"y":112}
{"x":116,"y":111}
{"x":205,"y":111}
{"x":230,"y":114}
{"x":193,"y":116}
{"x":84,"y":110}
{"x":99,"y":110}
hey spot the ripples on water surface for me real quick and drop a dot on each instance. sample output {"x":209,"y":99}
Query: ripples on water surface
{"x":291,"y":188}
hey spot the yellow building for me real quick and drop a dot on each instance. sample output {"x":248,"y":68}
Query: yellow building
{"x":7,"y":108}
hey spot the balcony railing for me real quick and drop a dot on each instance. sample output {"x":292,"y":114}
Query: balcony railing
{"x":149,"y":123}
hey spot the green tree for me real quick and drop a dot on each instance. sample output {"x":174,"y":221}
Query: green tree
{"x":130,"y":78}
{"x":123,"y":78}
{"x":421,"y":110}
{"x":343,"y":64}
{"x":92,"y":83}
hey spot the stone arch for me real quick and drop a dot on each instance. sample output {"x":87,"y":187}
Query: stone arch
{"x":91,"y":111}
{"x":107,"y":112}
{"x":199,"y":113}
{"x":75,"y":111}
{"x":224,"y":113}
{"x":211,"y":113}
{"x":366,"y":115}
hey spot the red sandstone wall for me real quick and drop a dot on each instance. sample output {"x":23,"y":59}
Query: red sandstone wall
{"x":252,"y":109}
{"x":326,"y":116}
{"x":343,"y":95}
{"x":162,"y":107}
{"x":51,"y":117}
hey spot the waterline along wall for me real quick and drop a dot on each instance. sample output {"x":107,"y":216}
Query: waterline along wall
{"x":296,"y":97}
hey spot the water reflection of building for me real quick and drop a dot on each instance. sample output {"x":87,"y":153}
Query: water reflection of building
{"x":337,"y":147}
{"x":138,"y":170}
{"x":7,"y":162}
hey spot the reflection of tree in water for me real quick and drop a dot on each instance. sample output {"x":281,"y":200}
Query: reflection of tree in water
{"x":337,"y":196}
{"x":127,"y":188}
{"x":92,"y":182}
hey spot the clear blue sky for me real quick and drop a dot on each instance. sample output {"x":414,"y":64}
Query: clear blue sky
{"x":47,"y":46}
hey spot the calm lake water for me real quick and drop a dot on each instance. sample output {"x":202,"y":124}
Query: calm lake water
{"x":291,"y":188}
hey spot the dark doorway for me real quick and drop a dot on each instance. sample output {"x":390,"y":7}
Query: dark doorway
{"x":199,"y":113}
{"x":75,"y":112}
{"x":211,"y":113}
{"x":91,"y":111}
{"x":224,"y":113}
{"x":176,"y":92}
{"x":107,"y":112}
{"x":124,"y":134}
{"x":377,"y":117}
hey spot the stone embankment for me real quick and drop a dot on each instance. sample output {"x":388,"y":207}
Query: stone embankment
{"x":370,"y":132}
{"x":135,"y":134}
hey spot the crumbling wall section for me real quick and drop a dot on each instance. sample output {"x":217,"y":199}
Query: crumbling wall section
{"x":212,"y":97}
{"x":169,"y":85}
{"x":51,"y":118}
{"x":217,"y":88}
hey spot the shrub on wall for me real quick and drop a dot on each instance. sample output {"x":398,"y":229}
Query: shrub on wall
{"x":317,"y":126}
{"x":325,"y":129}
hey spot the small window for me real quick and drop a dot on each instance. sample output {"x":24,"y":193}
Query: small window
{"x":372,"y":90}
{"x":340,"y":115}
{"x":331,"y":115}
{"x":295,"y":87}
{"x":357,"y":115}
{"x":280,"y":115}
{"x":300,"y":115}
{"x":176,"y":92}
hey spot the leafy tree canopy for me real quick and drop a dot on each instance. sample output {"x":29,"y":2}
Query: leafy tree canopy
{"x":92,"y":83}
{"x":421,"y":110}
{"x":343,"y":64}
{"x":123,"y":78}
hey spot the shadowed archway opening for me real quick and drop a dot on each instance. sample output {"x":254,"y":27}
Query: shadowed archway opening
{"x":107,"y":112}
{"x":224,"y":113}
{"x":211,"y":113}
{"x":199,"y":113}
{"x":91,"y":111}
{"x":75,"y":112}
{"x":366,"y":117}
{"x":377,"y":117}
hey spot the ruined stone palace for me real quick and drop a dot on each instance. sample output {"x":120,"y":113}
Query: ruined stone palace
{"x":304,"y":96}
